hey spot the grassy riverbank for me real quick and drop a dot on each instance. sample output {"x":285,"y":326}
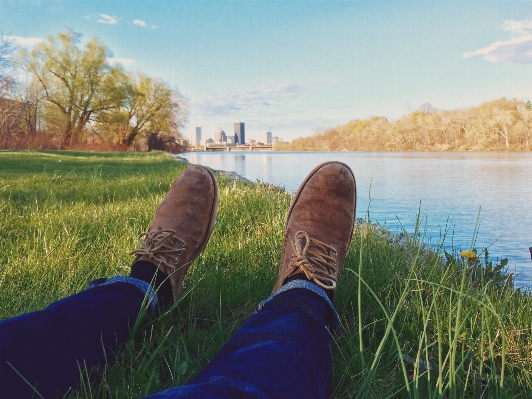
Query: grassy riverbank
{"x":415,"y":325}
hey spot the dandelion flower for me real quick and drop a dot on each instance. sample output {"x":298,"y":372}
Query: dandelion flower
{"x":468,"y":254}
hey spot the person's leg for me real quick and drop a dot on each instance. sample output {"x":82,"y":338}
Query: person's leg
{"x":48,"y":349}
{"x":283,"y":350}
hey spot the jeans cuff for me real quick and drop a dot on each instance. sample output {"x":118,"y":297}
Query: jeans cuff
{"x":150,"y":296}
{"x":308,"y":285}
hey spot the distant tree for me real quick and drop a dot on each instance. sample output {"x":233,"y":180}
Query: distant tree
{"x":526,"y":120}
{"x":502,"y":121}
{"x":6,"y":49}
{"x":78,"y":84}
{"x":486,"y":127}
{"x":11,"y":111}
{"x":150,"y":107}
{"x":427,"y":108}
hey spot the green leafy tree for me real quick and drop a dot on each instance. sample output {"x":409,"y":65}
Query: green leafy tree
{"x":151,"y":109}
{"x":79,"y":84}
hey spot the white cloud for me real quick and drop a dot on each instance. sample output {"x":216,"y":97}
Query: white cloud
{"x":86,"y":17}
{"x":517,"y":50}
{"x":123,"y":61}
{"x":517,"y":26}
{"x":144,"y":24}
{"x":107,"y":19}
{"x":140,"y":22}
{"x":264,"y":96}
{"x":24,"y":41}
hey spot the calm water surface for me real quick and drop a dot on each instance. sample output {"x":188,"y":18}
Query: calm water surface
{"x":449,"y":188}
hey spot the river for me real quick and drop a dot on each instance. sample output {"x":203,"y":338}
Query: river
{"x":447,"y":189}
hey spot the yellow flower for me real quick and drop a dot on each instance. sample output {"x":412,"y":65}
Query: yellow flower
{"x":468,"y":254}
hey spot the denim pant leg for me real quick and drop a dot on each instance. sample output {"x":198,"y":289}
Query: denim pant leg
{"x":50,"y":347}
{"x":282,"y":351}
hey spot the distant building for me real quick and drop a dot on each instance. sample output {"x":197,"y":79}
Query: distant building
{"x":267,"y":138}
{"x":251,"y":141}
{"x":230,"y":140}
{"x":195,"y":135}
{"x":220,"y":136}
{"x":240,"y":133}
{"x":275,"y":140}
{"x":207,"y":141}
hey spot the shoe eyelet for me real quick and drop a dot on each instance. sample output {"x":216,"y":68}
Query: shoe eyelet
{"x":292,"y":256}
{"x":335,"y":253}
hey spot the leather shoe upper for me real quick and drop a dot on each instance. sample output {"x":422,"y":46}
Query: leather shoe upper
{"x":182,"y":225}
{"x":319,"y":226}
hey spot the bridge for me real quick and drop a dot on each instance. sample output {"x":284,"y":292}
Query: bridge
{"x":244,"y":147}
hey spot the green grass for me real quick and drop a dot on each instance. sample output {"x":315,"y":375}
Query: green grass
{"x":65,"y":223}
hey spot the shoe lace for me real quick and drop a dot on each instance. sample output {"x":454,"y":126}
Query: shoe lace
{"x":314,"y":260}
{"x":160,"y":246}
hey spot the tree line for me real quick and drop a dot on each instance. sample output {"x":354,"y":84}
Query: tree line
{"x":500,"y":125}
{"x":65,"y":95}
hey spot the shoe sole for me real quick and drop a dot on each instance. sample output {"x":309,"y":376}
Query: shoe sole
{"x":214,"y":211}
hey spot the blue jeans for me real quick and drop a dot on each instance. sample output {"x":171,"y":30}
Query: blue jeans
{"x":282,"y":351}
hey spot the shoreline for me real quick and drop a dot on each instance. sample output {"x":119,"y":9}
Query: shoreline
{"x":229,"y":175}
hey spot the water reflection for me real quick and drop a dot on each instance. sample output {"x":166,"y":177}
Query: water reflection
{"x":267,"y":167}
{"x":240,"y":164}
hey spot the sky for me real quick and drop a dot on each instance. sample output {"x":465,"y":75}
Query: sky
{"x":295,"y":67}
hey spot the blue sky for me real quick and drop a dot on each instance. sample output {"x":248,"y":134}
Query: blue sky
{"x":296,"y":66}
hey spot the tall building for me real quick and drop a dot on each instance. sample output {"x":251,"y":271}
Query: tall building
{"x":267,"y":138}
{"x":240,"y":133}
{"x":195,"y":135}
{"x":220,"y":136}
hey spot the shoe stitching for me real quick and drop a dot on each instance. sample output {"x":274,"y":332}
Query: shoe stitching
{"x":313,"y":260}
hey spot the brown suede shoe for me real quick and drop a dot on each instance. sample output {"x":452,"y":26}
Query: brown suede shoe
{"x":182,"y":225}
{"x":319,"y":226}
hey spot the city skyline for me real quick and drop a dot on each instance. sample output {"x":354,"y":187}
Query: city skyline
{"x":299,"y":66}
{"x":220,"y":136}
